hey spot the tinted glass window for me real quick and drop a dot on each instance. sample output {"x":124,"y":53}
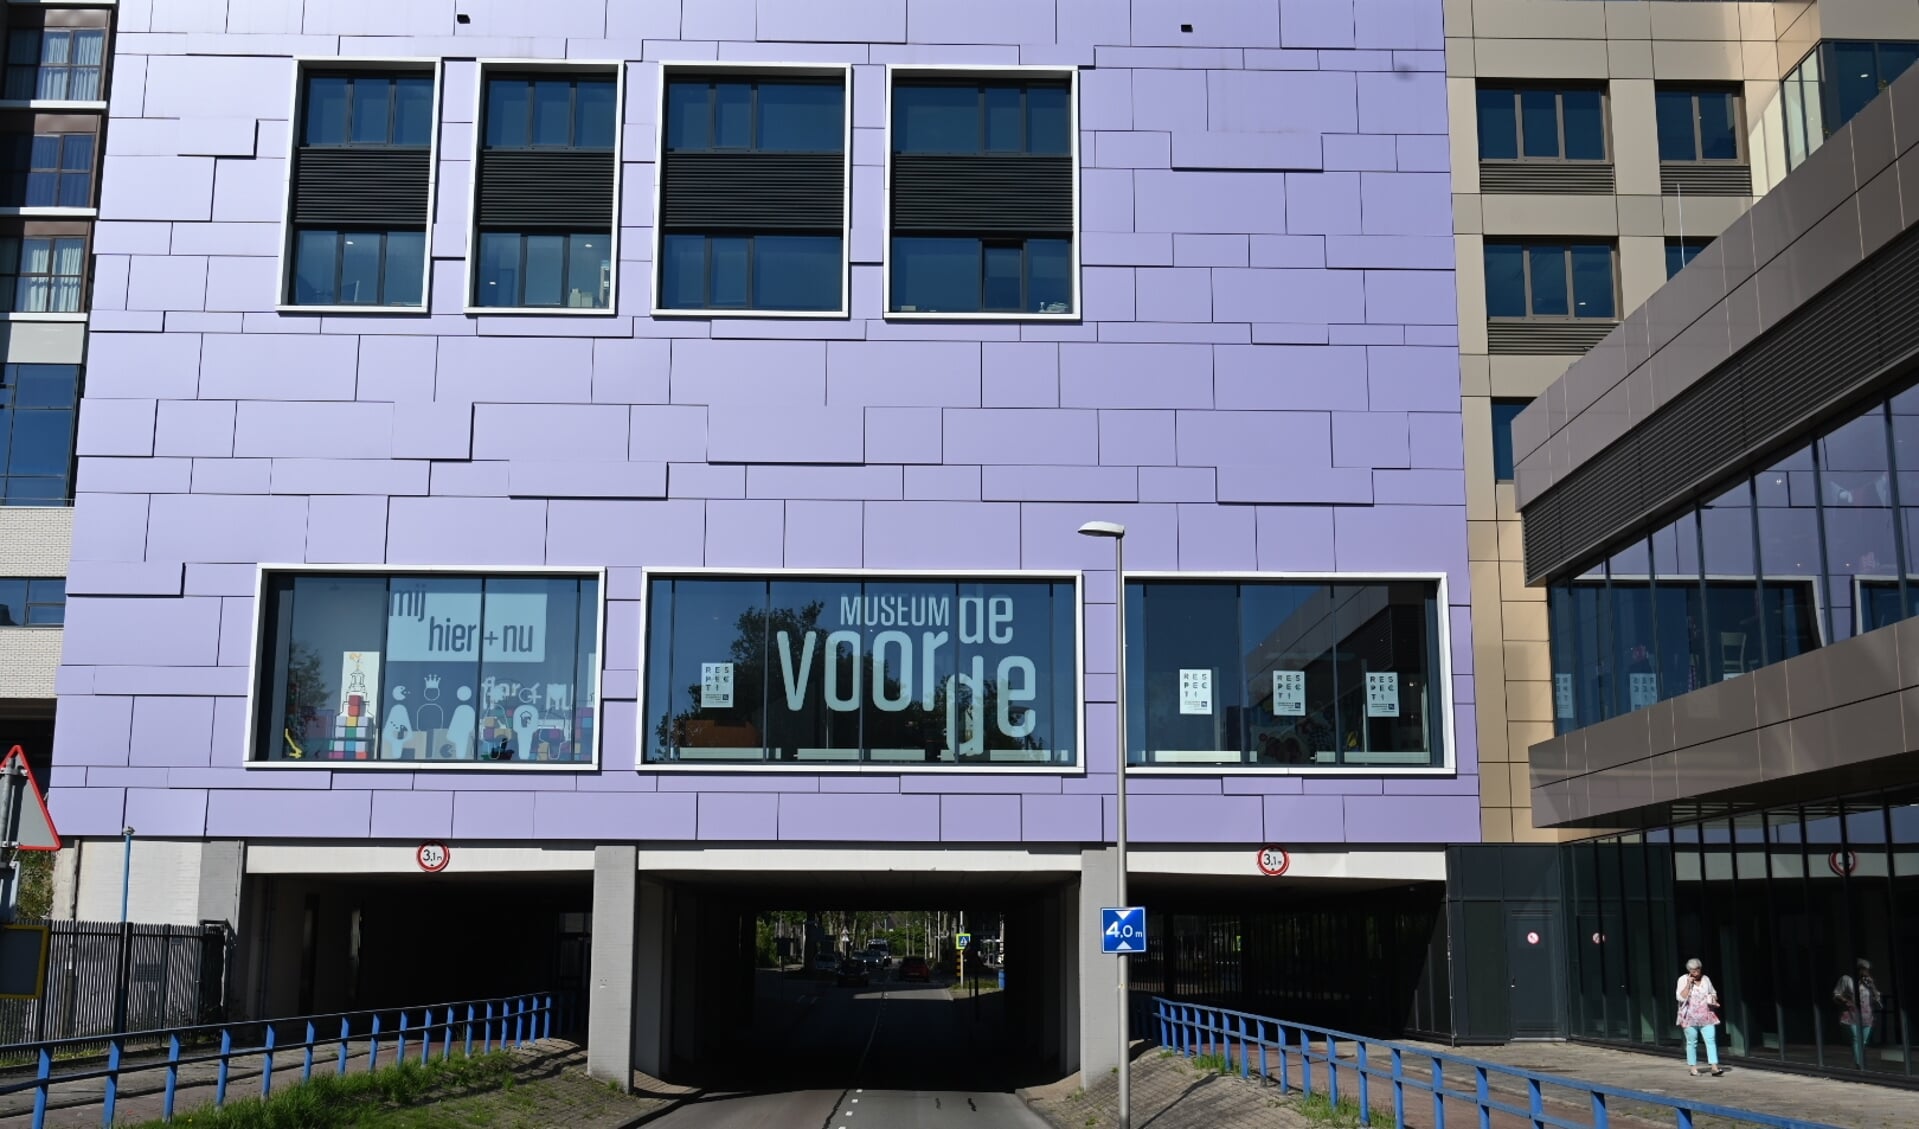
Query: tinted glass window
{"x":1539,"y":118}
{"x":1498,"y":124}
{"x":37,"y":404}
{"x":826,"y":670}
{"x":1585,"y":125}
{"x":1854,"y":76}
{"x":507,"y":105}
{"x":955,"y":275}
{"x":936,"y":119}
{"x":326,"y":110}
{"x":1679,"y":252}
{"x":358,"y":268}
{"x":1505,"y":280}
{"x":1048,"y":120}
{"x":1675,"y":115}
{"x":1592,"y":281}
{"x":1504,"y":412}
{"x":796,"y":272}
{"x":731,"y":260}
{"x":443,"y":668}
{"x":801,"y":117}
{"x":1284,"y":673}
{"x":689,"y":116}
{"x":412,"y":111}
{"x":1718,"y":126}
{"x":1546,"y":265}
{"x":732,"y":115}
{"x":933,"y":275}
{"x":550,"y":112}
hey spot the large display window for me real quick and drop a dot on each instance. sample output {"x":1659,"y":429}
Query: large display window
{"x":365,"y":669}
{"x":1282,"y":674}
{"x":862,"y":670}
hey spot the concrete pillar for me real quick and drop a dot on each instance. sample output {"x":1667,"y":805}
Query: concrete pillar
{"x":650,"y":1039}
{"x":223,"y":863}
{"x":1099,"y":1002}
{"x":609,"y":1032}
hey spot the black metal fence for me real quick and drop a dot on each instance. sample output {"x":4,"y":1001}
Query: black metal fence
{"x":105,"y":976}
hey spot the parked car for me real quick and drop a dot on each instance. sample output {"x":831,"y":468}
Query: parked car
{"x":915,"y":968}
{"x":852,"y":973}
{"x":826,"y":962}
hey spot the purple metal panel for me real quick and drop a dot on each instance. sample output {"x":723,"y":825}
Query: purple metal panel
{"x":1334,"y":443}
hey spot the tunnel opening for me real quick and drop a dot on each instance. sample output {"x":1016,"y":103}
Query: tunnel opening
{"x":323,"y":944}
{"x":1366,"y":957}
{"x":824,"y":981}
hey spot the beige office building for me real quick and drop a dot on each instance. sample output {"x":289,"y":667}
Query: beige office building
{"x":1597,"y":145}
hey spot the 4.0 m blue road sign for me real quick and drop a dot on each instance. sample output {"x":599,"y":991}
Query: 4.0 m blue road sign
{"x":1122,"y":930}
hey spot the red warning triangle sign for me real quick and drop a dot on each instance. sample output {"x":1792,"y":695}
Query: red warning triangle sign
{"x":24,"y":820}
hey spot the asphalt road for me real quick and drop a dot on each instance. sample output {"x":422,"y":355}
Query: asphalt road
{"x":890,"y":1056}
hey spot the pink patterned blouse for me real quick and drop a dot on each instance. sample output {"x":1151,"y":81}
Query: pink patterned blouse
{"x":1694,"y":1002}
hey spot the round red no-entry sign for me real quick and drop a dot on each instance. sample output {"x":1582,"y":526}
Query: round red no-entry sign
{"x":433,"y":857}
{"x":1273,"y":861}
{"x":1842,"y":862}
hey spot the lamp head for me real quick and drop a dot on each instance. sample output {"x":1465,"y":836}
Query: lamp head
{"x":1103,"y":529}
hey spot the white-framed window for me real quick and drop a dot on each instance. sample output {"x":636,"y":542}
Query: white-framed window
{"x":546,"y":188}
{"x":381,"y":667}
{"x":361,"y":159}
{"x":982,"y":174}
{"x":752,"y":204}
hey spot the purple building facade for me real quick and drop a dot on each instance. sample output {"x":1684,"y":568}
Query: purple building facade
{"x":1253,"y":367}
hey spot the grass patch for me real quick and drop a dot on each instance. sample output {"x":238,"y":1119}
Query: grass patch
{"x":379,"y":1100}
{"x":1344,"y":1115}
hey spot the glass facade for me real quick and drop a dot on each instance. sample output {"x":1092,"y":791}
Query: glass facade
{"x":1547,"y":281}
{"x":1698,"y":123}
{"x":366,"y":667}
{"x":1814,"y":548}
{"x":33,"y":601}
{"x":1504,"y":412}
{"x":37,"y":407}
{"x":849,"y":671}
{"x":1284,"y":673}
{"x":1806,"y":918}
{"x":1834,"y":82}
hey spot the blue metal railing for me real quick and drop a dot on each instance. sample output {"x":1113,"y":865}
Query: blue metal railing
{"x":495,"y":1024}
{"x":1257,"y":1046}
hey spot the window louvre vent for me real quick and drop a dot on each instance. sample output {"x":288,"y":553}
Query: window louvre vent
{"x":1571,"y":178}
{"x":1016,"y":194}
{"x":1699,"y":178}
{"x":570,"y":188}
{"x":1523,"y":338}
{"x":732,"y":191}
{"x":380,"y":188}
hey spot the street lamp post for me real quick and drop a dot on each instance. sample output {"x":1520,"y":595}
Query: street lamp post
{"x":1117,"y":532}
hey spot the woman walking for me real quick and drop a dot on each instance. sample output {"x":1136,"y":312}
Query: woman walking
{"x":1697,"y":999}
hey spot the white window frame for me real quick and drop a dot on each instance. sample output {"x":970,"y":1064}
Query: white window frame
{"x":1449,"y":764}
{"x":1071,"y":75}
{"x":284,"y":277}
{"x":688,"y":68}
{"x":258,"y":636}
{"x":618,"y":68}
{"x":903,"y":768}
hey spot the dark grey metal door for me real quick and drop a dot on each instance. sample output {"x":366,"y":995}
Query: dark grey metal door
{"x":1532,"y":957}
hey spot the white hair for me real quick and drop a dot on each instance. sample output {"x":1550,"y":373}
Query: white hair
{"x":1693,"y":963}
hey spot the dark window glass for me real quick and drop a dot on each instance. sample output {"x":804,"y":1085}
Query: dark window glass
{"x":13,"y":603}
{"x":1592,"y":281}
{"x":992,"y":117}
{"x":550,"y":112}
{"x":544,"y":269}
{"x":1284,"y":673}
{"x":358,"y":268}
{"x":1550,"y":280}
{"x":1679,"y":252}
{"x":412,"y":111}
{"x":936,"y":119}
{"x":801,"y":117}
{"x":372,"y":111}
{"x":790,"y":116}
{"x":1498,"y":124}
{"x":46,"y":602}
{"x":369,"y":109}
{"x":1504,"y":412}
{"x":1546,"y":270}
{"x":1718,"y":125}
{"x":961,"y":275}
{"x":442,"y":668}
{"x":1505,"y":280}
{"x":1539,"y":121}
{"x":830,"y":670}
{"x":326,"y":109}
{"x":796,"y":272}
{"x":1585,"y":125}
{"x":1049,"y":127}
{"x":37,"y":406}
{"x":1855,"y":78}
{"x":683,"y":272}
{"x":1674,"y":109}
